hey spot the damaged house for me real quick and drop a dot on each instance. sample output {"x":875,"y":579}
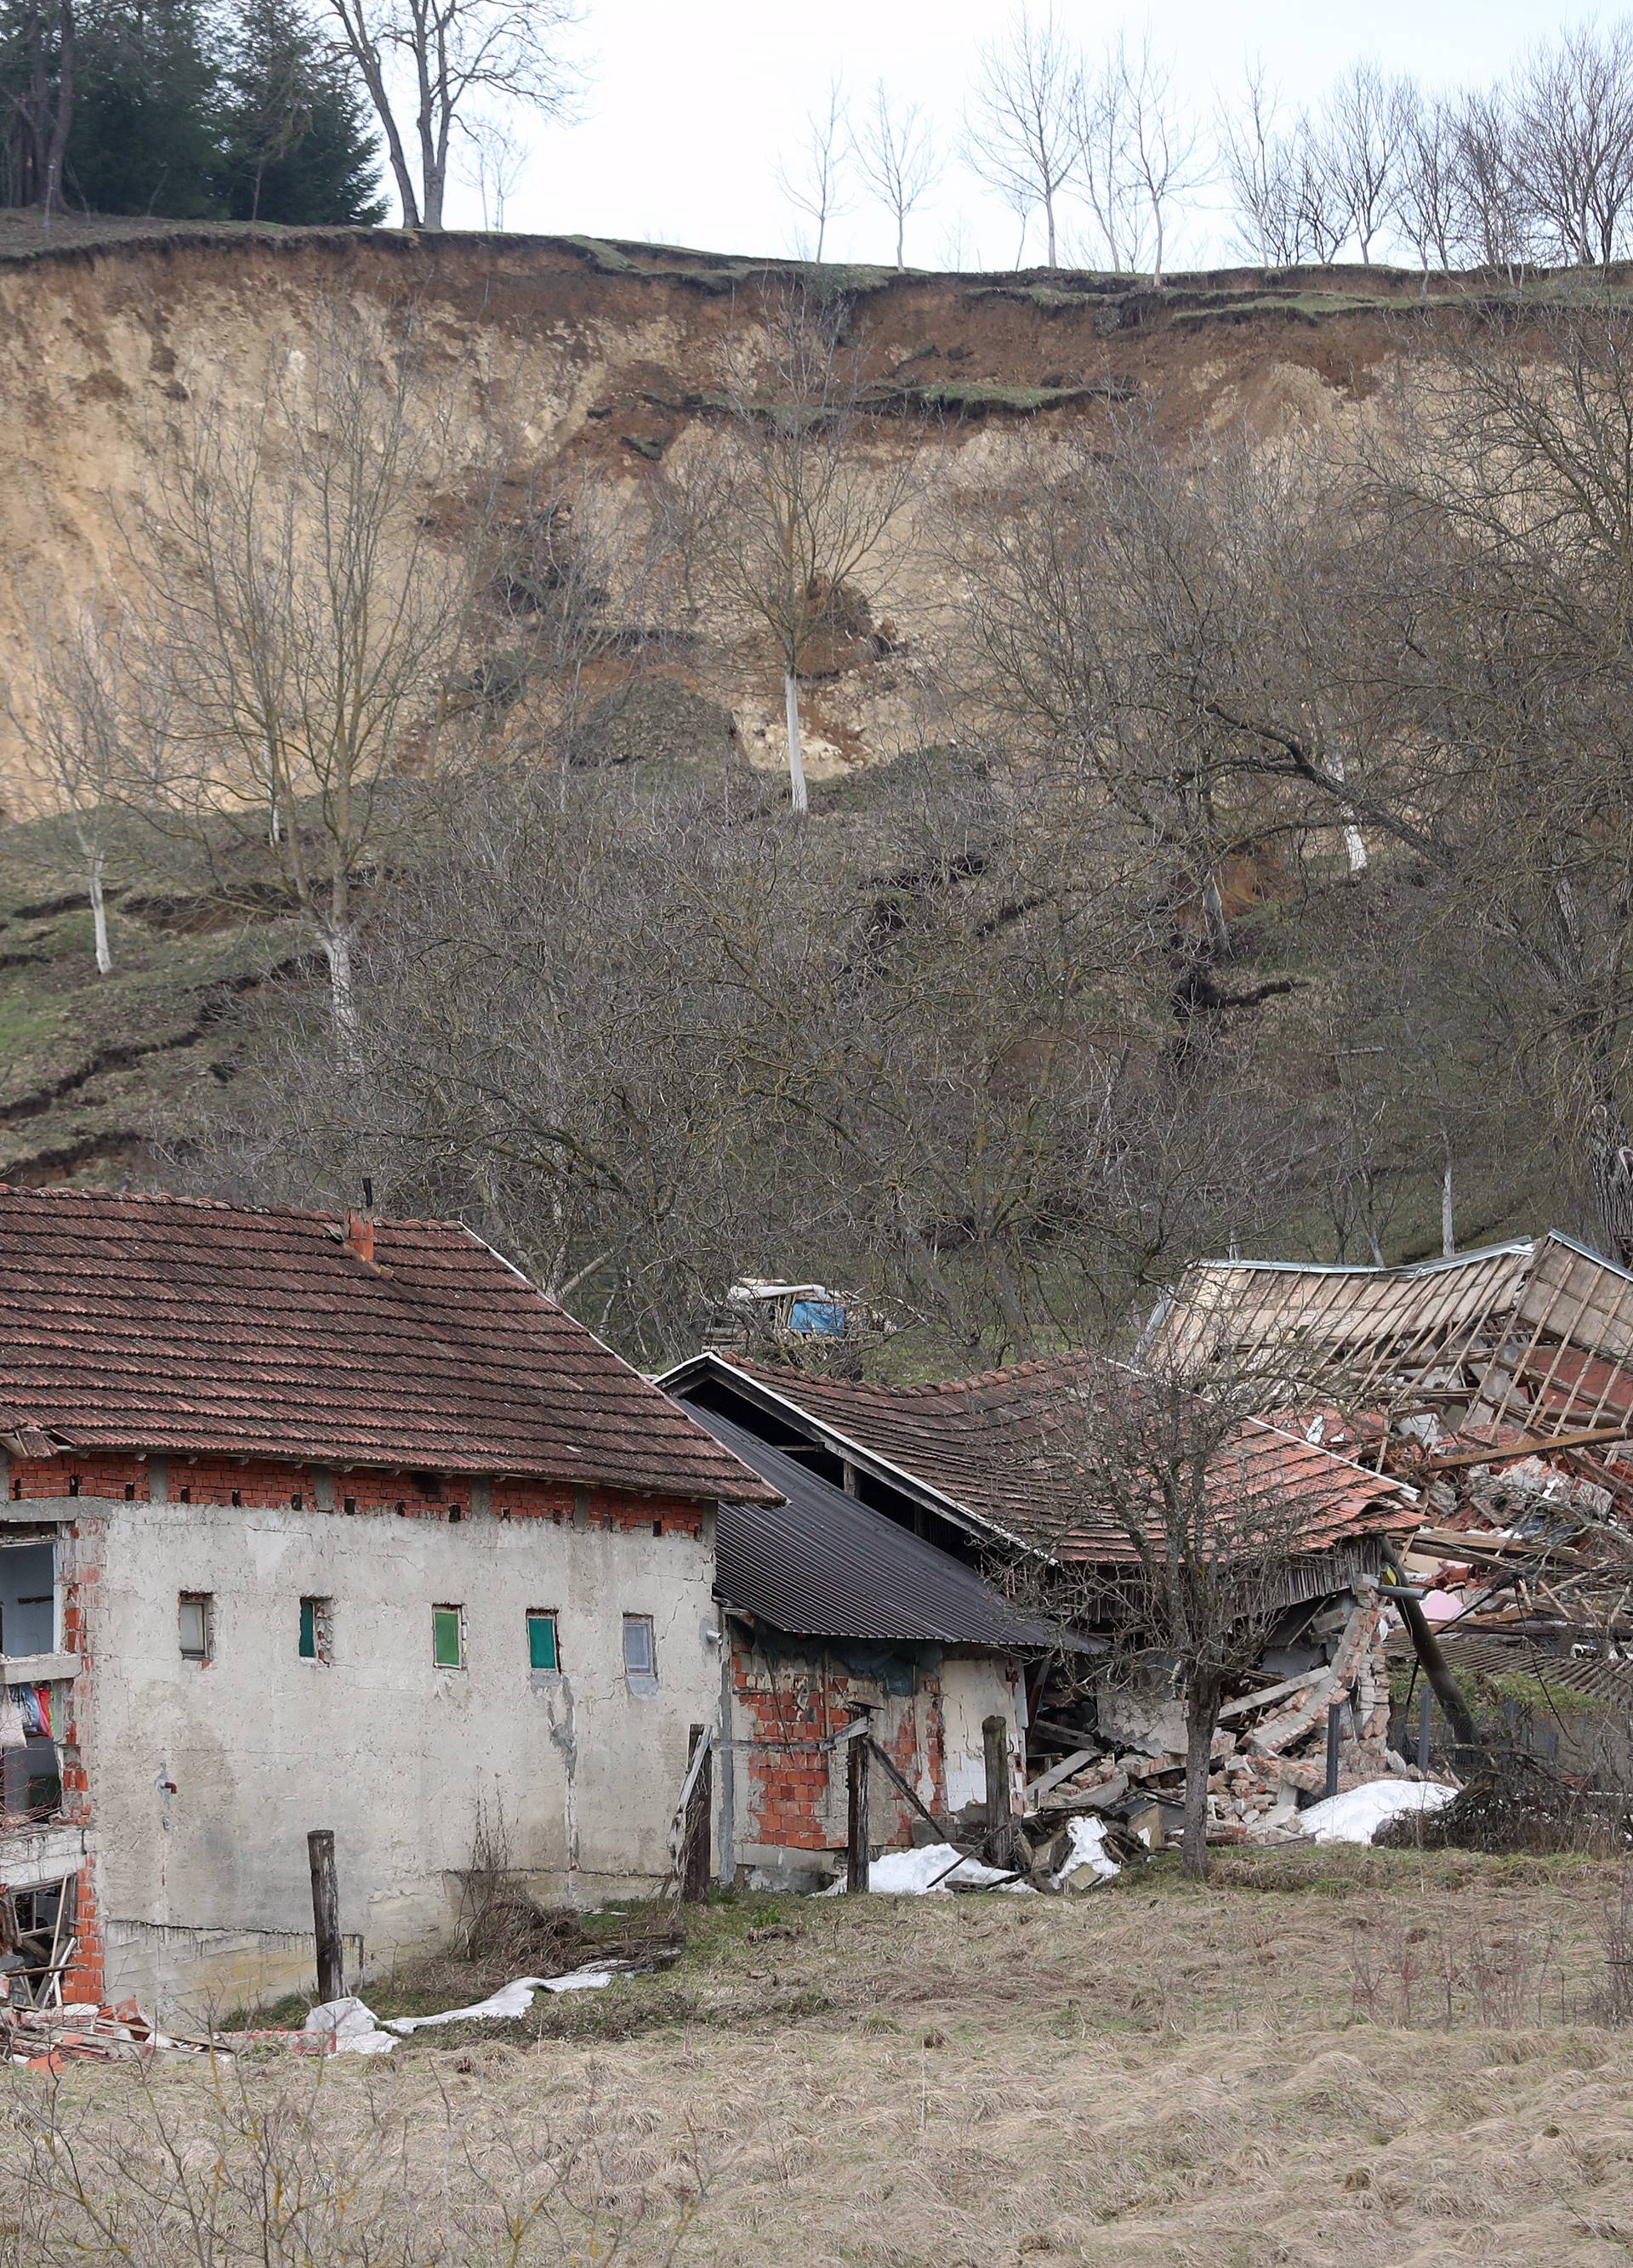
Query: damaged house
{"x":836,"y":1614}
{"x":1499,"y":1385}
{"x":314,"y":1524}
{"x":973,"y":1466}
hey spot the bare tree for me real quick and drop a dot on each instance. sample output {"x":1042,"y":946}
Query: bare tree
{"x":426,"y":61}
{"x":1573,"y":140}
{"x":1496,"y":224}
{"x":1428,"y":203}
{"x":1178,"y":1537}
{"x":1320,"y":199}
{"x":41,"y":102}
{"x":1365,"y":131}
{"x":897,"y":152}
{"x":578,"y":601}
{"x":305,"y":609}
{"x":1021,"y":133}
{"x":1262,"y":175}
{"x":496,"y":160}
{"x":813,"y":178}
{"x":73,"y":706}
{"x":783,"y":506}
{"x":1141,"y":153}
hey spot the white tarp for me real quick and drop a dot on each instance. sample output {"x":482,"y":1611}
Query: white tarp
{"x":1356,"y":1816}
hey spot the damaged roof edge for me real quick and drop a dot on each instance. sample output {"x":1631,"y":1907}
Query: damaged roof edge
{"x":708,"y":1364}
{"x":1520,"y":1244}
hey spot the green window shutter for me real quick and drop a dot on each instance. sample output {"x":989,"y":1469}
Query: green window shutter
{"x":308,"y":1630}
{"x":446,"y":1651}
{"x":542,"y":1641}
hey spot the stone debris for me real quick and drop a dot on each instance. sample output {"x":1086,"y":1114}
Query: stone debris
{"x":44,"y":2039}
{"x":1270,"y":1750}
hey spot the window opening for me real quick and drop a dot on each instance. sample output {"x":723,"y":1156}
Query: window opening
{"x":315,"y":1630}
{"x":640,"y":1652}
{"x":27,"y":1599}
{"x":544,"y":1652}
{"x":447,"y":1636}
{"x":38,"y":1940}
{"x":192,"y":1617}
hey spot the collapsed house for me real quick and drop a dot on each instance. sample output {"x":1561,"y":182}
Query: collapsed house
{"x":973,"y":1467}
{"x":1499,"y":1385}
{"x":314,"y":1524}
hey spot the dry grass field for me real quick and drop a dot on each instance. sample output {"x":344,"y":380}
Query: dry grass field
{"x":1366,"y":2057}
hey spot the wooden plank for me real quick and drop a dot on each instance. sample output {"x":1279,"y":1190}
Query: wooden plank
{"x":1271,"y":1693}
{"x":700,"y":1807}
{"x":1057,"y":1772}
{"x":911,"y":1793}
{"x":1591,"y":1437}
{"x":331,"y":1968}
{"x":858,"y":1856}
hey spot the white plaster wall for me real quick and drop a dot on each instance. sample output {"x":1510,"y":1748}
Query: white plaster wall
{"x":205,"y":1781}
{"x":974,"y":1687}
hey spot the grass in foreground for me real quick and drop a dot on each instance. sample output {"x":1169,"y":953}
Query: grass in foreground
{"x":1364,"y":2056}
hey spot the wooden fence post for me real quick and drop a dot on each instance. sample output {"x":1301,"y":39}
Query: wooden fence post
{"x":1334,"y":1736}
{"x":858,"y":1856}
{"x":1000,"y":1795}
{"x":700,"y":1807}
{"x":331,"y":1958}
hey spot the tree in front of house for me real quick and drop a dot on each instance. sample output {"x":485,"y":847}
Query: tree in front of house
{"x":1180,"y":1530}
{"x":297,"y":146}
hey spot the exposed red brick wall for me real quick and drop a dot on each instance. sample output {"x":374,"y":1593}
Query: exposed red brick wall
{"x":82,"y":1582}
{"x":790,"y":1709}
{"x":98,"y":1475}
{"x":263,"y":1484}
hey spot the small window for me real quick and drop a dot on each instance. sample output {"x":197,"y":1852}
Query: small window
{"x":542,"y":1652}
{"x":447,"y":1636}
{"x":193,"y":1617}
{"x":315,"y":1630}
{"x":640,"y":1653}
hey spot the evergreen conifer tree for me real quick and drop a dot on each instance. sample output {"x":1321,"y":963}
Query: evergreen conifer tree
{"x":298,"y":148}
{"x":146,"y":135}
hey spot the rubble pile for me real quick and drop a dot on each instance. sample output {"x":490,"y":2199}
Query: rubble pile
{"x":1270,"y":1748}
{"x":44,"y":2039}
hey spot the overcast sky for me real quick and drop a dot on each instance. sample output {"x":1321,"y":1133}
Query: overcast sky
{"x":690,"y":100}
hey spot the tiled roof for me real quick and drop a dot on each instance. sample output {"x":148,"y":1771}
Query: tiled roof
{"x":1000,"y":1447}
{"x":174,"y":1324}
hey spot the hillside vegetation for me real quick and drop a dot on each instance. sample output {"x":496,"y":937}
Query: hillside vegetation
{"x":1184,"y":863}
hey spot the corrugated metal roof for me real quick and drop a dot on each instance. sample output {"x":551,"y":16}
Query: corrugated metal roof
{"x":822,"y":1564}
{"x":1502,"y":1653}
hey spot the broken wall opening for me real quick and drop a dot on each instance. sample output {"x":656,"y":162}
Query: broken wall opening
{"x":31,"y":1772}
{"x":38,"y":1941}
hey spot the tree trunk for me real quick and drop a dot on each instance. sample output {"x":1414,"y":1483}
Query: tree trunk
{"x":796,"y":761}
{"x":52,"y":196}
{"x":1201,"y":1714}
{"x":1049,"y":223}
{"x":99,"y":918}
{"x":338,"y":946}
{"x":1448,"y":1224}
{"x":1610,"y":1165}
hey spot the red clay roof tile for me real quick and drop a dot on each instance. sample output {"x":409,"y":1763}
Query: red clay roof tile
{"x":178,"y":1324}
{"x":999,"y":1445}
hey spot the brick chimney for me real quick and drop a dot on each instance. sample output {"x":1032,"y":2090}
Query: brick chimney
{"x":358,"y":1240}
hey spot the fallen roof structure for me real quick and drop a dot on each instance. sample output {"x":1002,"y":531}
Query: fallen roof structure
{"x":992,"y":1454}
{"x":1535,"y":1334}
{"x":1499,"y":1383}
